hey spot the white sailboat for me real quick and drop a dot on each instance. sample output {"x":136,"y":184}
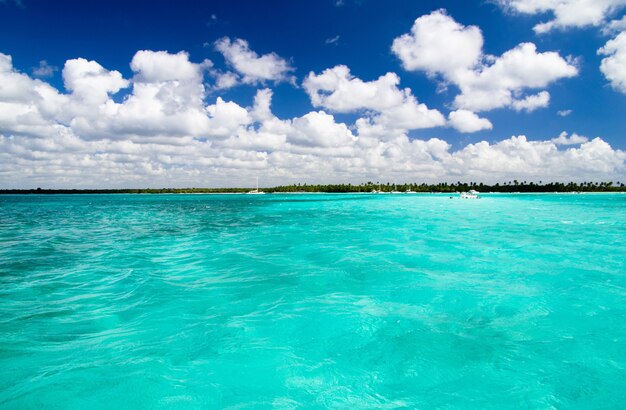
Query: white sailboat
{"x":256,"y":190}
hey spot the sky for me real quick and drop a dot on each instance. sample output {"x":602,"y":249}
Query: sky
{"x":122,"y":94}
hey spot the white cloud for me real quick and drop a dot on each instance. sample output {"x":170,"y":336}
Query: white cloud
{"x":252,"y":67}
{"x":167,"y":100}
{"x":614,"y":26}
{"x":318,"y":129}
{"x":332,"y":40}
{"x":90,"y":82}
{"x":517,"y":157}
{"x":338,"y":90}
{"x":574,"y":139}
{"x":532,"y":102}
{"x":567,"y":13}
{"x":226,"y":80}
{"x":44,"y":69}
{"x":468,"y":122}
{"x":503,"y":83}
{"x":27,"y":106}
{"x":161,"y":66}
{"x":564,"y":113}
{"x":226,"y":118}
{"x":614,"y":65}
{"x":410,"y":115}
{"x":165,"y":133}
{"x":439,"y":45}
{"x":262,"y":111}
{"x":64,"y":160}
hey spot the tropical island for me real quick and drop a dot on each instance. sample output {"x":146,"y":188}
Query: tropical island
{"x":368,"y":187}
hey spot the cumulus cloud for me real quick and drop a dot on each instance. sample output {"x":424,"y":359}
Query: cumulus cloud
{"x":27,"y":106}
{"x":64,"y":160}
{"x":468,"y":122}
{"x":318,"y":129}
{"x":567,"y":13}
{"x":583,"y":13}
{"x":338,"y":90}
{"x":574,"y":139}
{"x":438,"y":45}
{"x":161,"y":66}
{"x":252,"y":67}
{"x":614,"y":65}
{"x":564,"y":113}
{"x":502,"y":83}
{"x":90,"y":82}
{"x":167,"y":98}
{"x":164,"y":132}
{"x":539,"y":159}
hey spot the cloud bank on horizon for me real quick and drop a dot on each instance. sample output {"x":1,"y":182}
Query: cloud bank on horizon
{"x":169,"y":125}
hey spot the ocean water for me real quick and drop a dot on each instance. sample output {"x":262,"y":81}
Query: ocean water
{"x":312,"y":301}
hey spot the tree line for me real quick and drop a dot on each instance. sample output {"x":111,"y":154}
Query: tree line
{"x":442,"y":187}
{"x":445,"y":187}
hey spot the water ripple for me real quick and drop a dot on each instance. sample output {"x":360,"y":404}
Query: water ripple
{"x":226,"y":301}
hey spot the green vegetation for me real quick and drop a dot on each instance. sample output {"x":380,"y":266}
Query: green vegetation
{"x":129,"y":191}
{"x":444,"y":187}
{"x":512,"y":186}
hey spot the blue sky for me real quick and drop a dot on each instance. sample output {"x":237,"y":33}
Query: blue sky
{"x":310,"y":37}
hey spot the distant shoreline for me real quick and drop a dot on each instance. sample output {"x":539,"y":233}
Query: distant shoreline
{"x":368,"y":188}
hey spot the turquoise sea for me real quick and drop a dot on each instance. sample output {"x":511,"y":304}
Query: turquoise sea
{"x":312,"y":301}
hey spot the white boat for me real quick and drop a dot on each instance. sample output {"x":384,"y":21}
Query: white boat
{"x":410,"y":191}
{"x":256,"y":190}
{"x":395,"y":192}
{"x":471,"y":194}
